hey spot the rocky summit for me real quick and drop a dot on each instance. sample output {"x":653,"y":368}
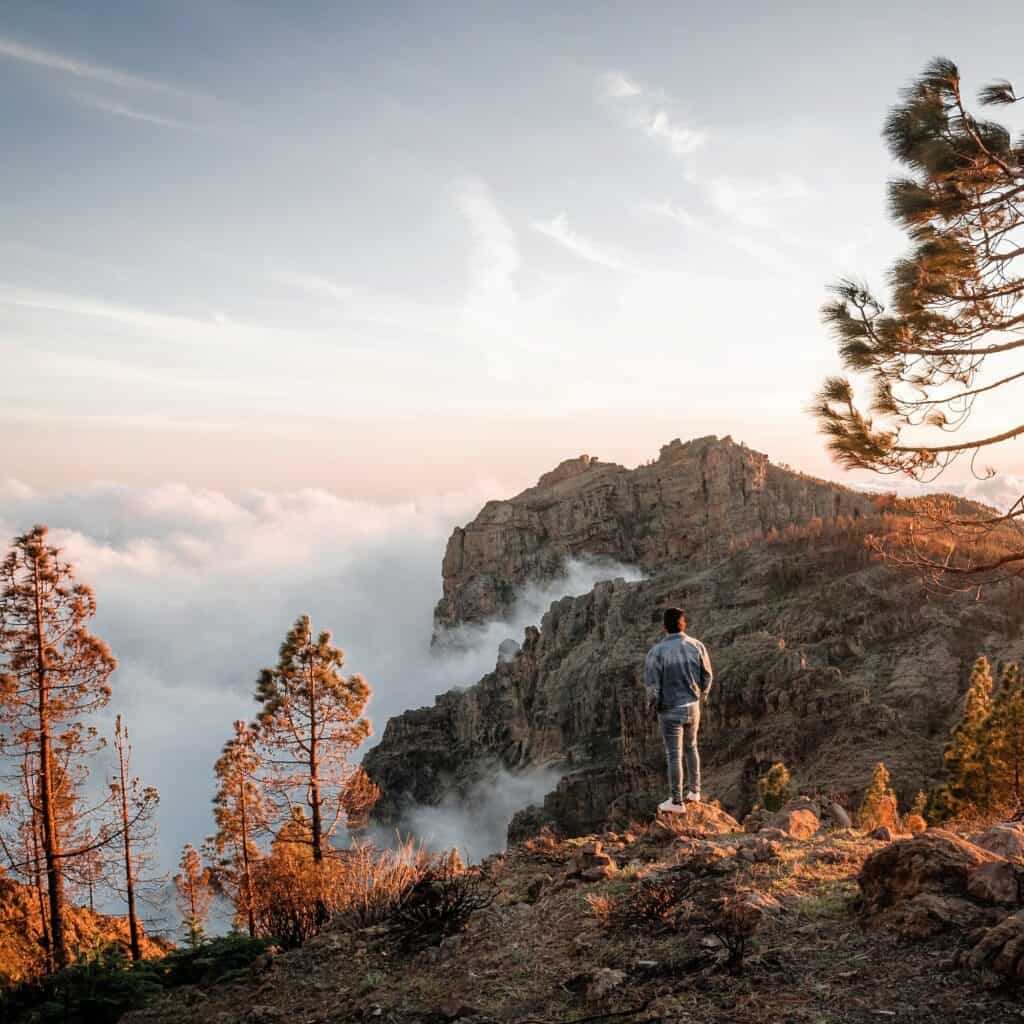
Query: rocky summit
{"x":824,"y":658}
{"x":695,"y":498}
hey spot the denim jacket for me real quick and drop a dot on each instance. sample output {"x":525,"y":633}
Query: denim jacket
{"x":677,"y":672}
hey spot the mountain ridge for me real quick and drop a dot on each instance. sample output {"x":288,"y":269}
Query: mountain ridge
{"x":824,"y":658}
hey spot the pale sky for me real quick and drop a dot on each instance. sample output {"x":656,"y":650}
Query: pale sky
{"x":389,"y":249}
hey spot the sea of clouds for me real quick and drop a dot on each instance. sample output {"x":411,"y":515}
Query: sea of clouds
{"x":197,"y":589}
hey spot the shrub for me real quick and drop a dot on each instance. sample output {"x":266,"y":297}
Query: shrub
{"x":440,"y":903}
{"x":291,"y":891}
{"x":103,"y":984}
{"x":775,"y":787}
{"x":659,"y":903}
{"x":374,"y":883}
{"x":879,"y":806}
{"x":214,"y":960}
{"x":914,"y":823}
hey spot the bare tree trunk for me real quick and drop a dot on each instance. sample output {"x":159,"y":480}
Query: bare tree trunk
{"x":37,"y":881}
{"x":129,"y":874}
{"x":245,"y":859}
{"x":51,"y":832}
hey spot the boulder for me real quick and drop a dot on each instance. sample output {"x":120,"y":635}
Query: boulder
{"x":758,"y":850}
{"x":929,"y":913}
{"x":997,"y":882}
{"x":757,"y":820}
{"x":1005,"y":838}
{"x":800,"y":823}
{"x":919,"y":885}
{"x":882,"y":834}
{"x":1001,"y":948}
{"x":697,"y":820}
{"x":590,"y":863}
{"x":835,"y":816}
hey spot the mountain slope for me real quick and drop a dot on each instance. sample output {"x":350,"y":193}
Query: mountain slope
{"x":823,"y":658}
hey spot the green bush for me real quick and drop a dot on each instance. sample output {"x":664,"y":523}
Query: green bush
{"x":103,"y":984}
{"x":775,"y":787}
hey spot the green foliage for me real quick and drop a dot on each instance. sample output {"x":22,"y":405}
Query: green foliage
{"x":879,"y":806}
{"x":102,"y":985}
{"x":955,"y":298}
{"x":968,"y":768}
{"x":985,"y":755}
{"x":775,"y":787}
{"x":1005,"y":735}
{"x":215,"y":960}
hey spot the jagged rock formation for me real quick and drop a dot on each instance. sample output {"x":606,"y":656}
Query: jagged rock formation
{"x":696,"y":498}
{"x":824,"y":659}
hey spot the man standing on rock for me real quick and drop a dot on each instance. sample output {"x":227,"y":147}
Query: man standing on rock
{"x":677,"y":674}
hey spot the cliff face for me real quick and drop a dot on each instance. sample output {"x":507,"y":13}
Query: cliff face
{"x":694,"y":499}
{"x":823,"y":659}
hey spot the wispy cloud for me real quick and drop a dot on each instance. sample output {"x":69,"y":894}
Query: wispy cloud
{"x":495,"y":251}
{"x":678,"y":137}
{"x":312,"y":284}
{"x":119,"y":109}
{"x":758,"y":205}
{"x":182,"y":328}
{"x":558,"y":229}
{"x":617,"y":86}
{"x":83,"y":69}
{"x":654,"y":112}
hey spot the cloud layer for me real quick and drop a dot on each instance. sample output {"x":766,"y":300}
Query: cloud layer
{"x":196,"y":591}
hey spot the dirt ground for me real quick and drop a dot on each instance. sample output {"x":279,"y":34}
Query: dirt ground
{"x":541,"y":953}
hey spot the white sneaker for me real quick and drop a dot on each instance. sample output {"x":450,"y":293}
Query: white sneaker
{"x":693,"y":798}
{"x":670,"y":807}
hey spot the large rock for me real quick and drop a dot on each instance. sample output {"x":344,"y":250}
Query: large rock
{"x":1001,"y":948}
{"x":924,"y":883}
{"x":800,"y":823}
{"x":1005,"y":838}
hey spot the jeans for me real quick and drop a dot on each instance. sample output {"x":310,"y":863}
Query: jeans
{"x":679,"y":731}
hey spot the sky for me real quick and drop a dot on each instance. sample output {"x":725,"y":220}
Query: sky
{"x":388,"y":249}
{"x":289,"y":290}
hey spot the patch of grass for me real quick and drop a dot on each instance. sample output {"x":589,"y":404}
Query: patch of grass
{"x":831,"y":901}
{"x":369,"y":981}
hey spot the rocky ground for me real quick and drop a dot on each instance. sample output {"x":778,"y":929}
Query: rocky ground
{"x":684,"y":920}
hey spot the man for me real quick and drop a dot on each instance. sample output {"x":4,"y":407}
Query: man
{"x":677,"y":675}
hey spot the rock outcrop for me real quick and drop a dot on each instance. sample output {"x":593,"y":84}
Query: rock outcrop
{"x":695,"y":498}
{"x":823,"y":658}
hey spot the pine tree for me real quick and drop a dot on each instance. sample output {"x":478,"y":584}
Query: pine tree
{"x":195,"y":895}
{"x":775,"y":787}
{"x":920,"y":804}
{"x":968,"y":764}
{"x":879,"y":806}
{"x":53,"y":672}
{"x":957,"y":301}
{"x":240,"y":817}
{"x":309,"y":726}
{"x":1005,"y":735}
{"x":136,"y":805}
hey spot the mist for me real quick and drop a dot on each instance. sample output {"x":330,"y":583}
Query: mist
{"x":196,"y":591}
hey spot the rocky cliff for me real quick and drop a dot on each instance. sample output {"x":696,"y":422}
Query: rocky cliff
{"x":694,"y":499}
{"x":823,"y":658}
